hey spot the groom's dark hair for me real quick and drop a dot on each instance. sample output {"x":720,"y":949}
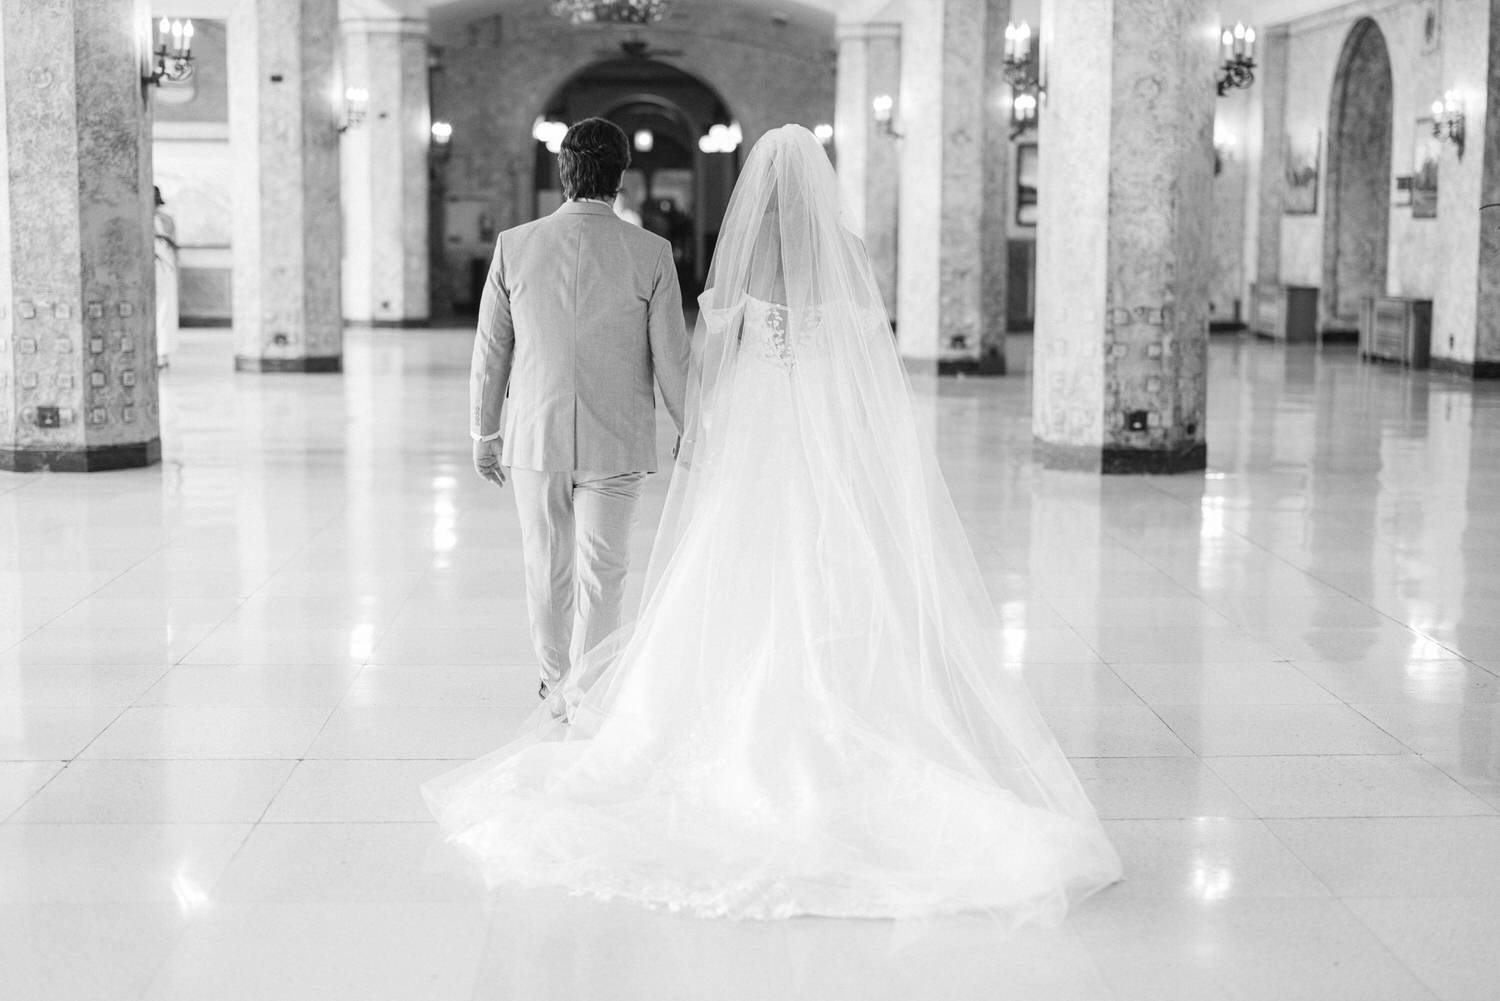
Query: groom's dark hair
{"x":594,"y":154}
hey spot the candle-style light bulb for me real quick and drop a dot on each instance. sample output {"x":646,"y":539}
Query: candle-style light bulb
{"x":1023,"y":40}
{"x":165,"y":27}
{"x":1249,"y":41}
{"x":1437,"y":108}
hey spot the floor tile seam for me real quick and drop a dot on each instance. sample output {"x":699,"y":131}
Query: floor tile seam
{"x":1381,"y":612}
{"x":280,"y":788}
{"x":1485,"y":809}
{"x":1291,"y":850}
{"x":389,"y":621}
{"x":122,"y":710}
{"x":196,"y":917}
{"x":1360,"y":707}
{"x":6,"y":818}
{"x":1379,"y":940}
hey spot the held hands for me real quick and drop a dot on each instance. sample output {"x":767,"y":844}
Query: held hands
{"x":487,"y":461}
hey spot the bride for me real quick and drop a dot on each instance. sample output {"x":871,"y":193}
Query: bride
{"x":810,"y":715}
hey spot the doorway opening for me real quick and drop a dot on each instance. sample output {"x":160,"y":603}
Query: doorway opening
{"x":674,"y":187}
{"x":1356,"y":231}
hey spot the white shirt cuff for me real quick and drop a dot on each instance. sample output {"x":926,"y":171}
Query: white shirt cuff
{"x":484,"y":437}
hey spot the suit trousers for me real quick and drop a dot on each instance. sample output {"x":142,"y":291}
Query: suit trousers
{"x":575,"y":542}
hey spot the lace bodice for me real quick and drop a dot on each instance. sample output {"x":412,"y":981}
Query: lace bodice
{"x":777,"y":334}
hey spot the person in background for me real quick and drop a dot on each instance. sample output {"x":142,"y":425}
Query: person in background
{"x":166,"y":281}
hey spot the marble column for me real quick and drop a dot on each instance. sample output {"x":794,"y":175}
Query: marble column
{"x":1123,"y":238}
{"x":285,"y":97}
{"x":1270,"y":80}
{"x":77,"y":280}
{"x":947,"y":113}
{"x":384,"y":174}
{"x":869,"y":64}
{"x":1466,"y":302}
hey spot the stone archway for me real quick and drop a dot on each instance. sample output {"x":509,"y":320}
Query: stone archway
{"x":1356,"y":231}
{"x":679,"y":190}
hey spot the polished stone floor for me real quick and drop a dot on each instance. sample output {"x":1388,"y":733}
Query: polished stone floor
{"x":221,"y":681}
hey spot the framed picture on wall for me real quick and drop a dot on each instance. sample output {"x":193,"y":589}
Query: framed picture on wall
{"x":1303,"y":165}
{"x":1424,"y":174}
{"x":1401,"y":199}
{"x":1026,"y":178}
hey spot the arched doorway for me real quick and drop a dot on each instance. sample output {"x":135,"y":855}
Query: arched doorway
{"x":1356,"y":230}
{"x":678,"y":190}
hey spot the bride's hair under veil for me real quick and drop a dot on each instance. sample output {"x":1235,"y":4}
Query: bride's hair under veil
{"x":811,"y":713}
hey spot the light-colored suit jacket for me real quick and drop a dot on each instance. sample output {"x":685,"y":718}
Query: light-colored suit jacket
{"x":580,"y":311}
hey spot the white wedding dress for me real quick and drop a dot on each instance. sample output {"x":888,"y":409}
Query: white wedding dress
{"x":809,"y":715}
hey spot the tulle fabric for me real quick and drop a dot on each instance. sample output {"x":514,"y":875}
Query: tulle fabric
{"x":809,"y":714}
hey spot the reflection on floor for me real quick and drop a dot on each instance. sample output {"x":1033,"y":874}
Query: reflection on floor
{"x":221,"y":681}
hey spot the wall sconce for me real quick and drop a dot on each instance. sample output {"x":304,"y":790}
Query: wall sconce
{"x":1023,"y":106}
{"x":721,"y":138}
{"x":356,"y":107}
{"x":1020,"y":59}
{"x":1448,"y":120}
{"x":549,"y":132}
{"x":172,"y":58}
{"x":644,"y":140}
{"x":442,"y":140}
{"x":1023,"y":73}
{"x":884,"y":107}
{"x":824,"y":133}
{"x":1237,"y":46}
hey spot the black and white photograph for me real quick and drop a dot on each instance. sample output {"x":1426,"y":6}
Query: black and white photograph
{"x":749,"y":500}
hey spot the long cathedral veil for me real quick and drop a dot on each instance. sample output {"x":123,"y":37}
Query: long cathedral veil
{"x":810,"y":713}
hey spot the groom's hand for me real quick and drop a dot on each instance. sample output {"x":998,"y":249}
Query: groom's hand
{"x":487,"y":461}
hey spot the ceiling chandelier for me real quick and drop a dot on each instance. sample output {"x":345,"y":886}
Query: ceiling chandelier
{"x":610,"y":11}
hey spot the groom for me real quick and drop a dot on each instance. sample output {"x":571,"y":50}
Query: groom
{"x":580,"y":311}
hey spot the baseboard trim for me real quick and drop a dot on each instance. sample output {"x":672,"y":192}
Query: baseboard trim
{"x":1114,"y":460}
{"x":1466,"y":369}
{"x":334,"y":363}
{"x":990,"y":364}
{"x":83,"y":460}
{"x":412,"y":324}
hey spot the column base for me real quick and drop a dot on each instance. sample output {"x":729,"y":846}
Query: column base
{"x":334,"y":363}
{"x":1114,"y":460}
{"x":989,"y":364}
{"x":402,"y":324}
{"x":1467,"y":369}
{"x":84,"y":460}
